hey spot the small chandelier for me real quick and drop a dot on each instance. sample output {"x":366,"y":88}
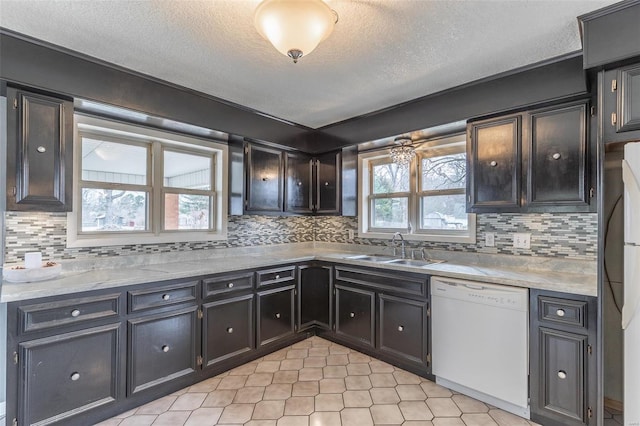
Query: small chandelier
{"x":403,"y":152}
{"x":295,"y":27}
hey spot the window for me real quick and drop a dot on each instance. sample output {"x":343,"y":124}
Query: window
{"x":424,"y":201}
{"x":138,"y":185}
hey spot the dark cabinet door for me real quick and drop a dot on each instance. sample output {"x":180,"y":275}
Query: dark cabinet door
{"x":403,"y":328}
{"x":298,"y":183}
{"x":39,"y":152}
{"x":314,"y":296}
{"x":557,"y":157}
{"x":264,"y":179}
{"x":628,"y":99}
{"x":494,"y":164}
{"x":355,"y":310}
{"x":275,"y":314}
{"x":68,"y":374}
{"x":561,"y":391}
{"x":227,"y":328}
{"x":162,"y":348}
{"x":327,"y":189}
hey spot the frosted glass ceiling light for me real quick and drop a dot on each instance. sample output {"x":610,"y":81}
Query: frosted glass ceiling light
{"x":295,"y":27}
{"x":403,"y":153}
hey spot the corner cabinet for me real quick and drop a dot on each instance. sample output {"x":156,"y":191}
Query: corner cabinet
{"x":538,"y":161}
{"x":39,"y":151}
{"x":563,"y":363}
{"x":264,"y":179}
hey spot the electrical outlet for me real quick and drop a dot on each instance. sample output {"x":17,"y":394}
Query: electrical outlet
{"x":490,"y":239}
{"x":350,"y":234}
{"x":522,"y":241}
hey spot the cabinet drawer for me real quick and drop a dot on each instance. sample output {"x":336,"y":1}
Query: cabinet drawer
{"x":140,"y":300}
{"x":276,"y":276}
{"x":387,"y":282}
{"x":226,"y":284}
{"x":355,"y":310}
{"x":562,"y":311}
{"x":68,"y":374}
{"x":275,"y":314}
{"x":162,"y":348}
{"x":65,"y":312}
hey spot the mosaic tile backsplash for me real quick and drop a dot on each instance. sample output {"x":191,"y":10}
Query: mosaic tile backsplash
{"x":565,"y":235}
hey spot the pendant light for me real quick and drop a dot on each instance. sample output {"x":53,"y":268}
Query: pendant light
{"x":295,"y":27}
{"x":403,"y":152}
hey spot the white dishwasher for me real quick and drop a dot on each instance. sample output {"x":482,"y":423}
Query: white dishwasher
{"x":480,"y":341}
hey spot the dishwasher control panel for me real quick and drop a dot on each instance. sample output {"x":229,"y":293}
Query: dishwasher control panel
{"x":487,"y":294}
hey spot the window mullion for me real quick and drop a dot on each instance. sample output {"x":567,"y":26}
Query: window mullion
{"x":157,"y":210}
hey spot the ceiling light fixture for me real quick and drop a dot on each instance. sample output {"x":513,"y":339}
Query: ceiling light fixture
{"x":295,"y":27}
{"x":403,"y":152}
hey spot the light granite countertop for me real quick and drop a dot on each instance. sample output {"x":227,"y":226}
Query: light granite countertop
{"x":557,"y":274}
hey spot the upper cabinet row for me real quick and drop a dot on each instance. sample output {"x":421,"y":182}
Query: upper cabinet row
{"x":279,"y":181}
{"x":536,"y":161}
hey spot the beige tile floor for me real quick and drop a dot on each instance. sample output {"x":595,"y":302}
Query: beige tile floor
{"x":316,"y":383}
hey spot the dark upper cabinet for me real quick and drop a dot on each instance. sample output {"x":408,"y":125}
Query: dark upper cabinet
{"x":39,"y":152}
{"x":327,"y":183}
{"x":299,"y":175}
{"x":264,"y":179}
{"x":537,"y":161}
{"x":557,"y":157}
{"x":314,"y":296}
{"x":620,"y":90}
{"x":494,"y":158}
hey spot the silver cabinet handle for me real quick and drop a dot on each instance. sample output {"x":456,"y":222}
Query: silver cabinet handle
{"x":230,"y":285}
{"x":277,"y":276}
{"x":556,"y":156}
{"x":326,"y":184}
{"x":560,"y":312}
{"x":165,"y":348}
{"x":352,"y":315}
{"x":493,"y":163}
{"x":75,"y":376}
{"x":166,"y":296}
{"x":230,"y":330}
{"x":264,"y":179}
{"x":400,"y":328}
{"x":562,"y":374}
{"x":41,"y":149}
{"x":299,"y":183}
{"x":278,"y":315}
{"x":75,"y":313}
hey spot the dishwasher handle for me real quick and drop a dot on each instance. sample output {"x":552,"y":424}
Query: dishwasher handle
{"x":467,"y":285}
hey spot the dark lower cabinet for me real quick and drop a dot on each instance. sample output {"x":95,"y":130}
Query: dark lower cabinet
{"x":563,"y":359}
{"x":315,"y":301}
{"x":403,"y":329}
{"x":162,"y":348}
{"x":227,"y":328}
{"x":275,"y":314}
{"x":68,"y":374}
{"x":355,"y":314}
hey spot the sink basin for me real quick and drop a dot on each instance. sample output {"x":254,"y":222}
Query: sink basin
{"x":413,"y":262}
{"x":371,"y":258}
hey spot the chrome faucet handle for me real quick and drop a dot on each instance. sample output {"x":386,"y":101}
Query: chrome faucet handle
{"x":418,"y":250}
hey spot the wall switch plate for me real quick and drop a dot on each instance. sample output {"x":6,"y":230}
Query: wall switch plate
{"x":522,"y":241}
{"x":351,"y":234}
{"x":490,"y":239}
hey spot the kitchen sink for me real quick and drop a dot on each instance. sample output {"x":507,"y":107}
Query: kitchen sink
{"x":393,"y":260}
{"x":371,"y":258}
{"x":413,"y":262}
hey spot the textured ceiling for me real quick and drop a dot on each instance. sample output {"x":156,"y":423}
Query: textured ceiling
{"x":381,"y":53}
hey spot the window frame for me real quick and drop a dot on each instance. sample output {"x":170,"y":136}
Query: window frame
{"x":414,"y":231}
{"x":373,"y":196}
{"x":156,"y":141}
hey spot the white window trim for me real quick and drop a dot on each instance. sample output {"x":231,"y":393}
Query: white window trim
{"x":219,"y":153}
{"x":413,"y":233}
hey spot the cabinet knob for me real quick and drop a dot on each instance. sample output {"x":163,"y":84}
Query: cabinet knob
{"x":493,"y":163}
{"x":264,"y":179}
{"x":400,"y":328}
{"x":75,"y":376}
{"x":562,"y":374}
{"x":165,"y":348}
{"x":560,"y":312}
{"x":299,"y":183}
{"x":352,"y":315}
{"x":75,"y":313}
{"x":556,"y":156}
{"x":230,"y":285}
{"x":277,"y":276}
{"x":326,"y":184}
{"x":278,"y":315}
{"x":230,"y":330}
{"x":41,"y":149}
{"x":166,"y":296}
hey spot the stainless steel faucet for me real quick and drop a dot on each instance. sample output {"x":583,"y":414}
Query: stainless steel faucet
{"x":403,"y":251}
